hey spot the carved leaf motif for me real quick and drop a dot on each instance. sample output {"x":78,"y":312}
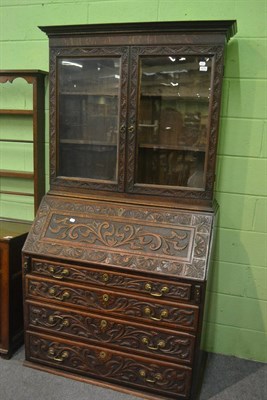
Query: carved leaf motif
{"x":201,"y":245}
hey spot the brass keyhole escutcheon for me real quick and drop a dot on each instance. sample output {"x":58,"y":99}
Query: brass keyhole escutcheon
{"x":102,"y":355}
{"x":103,"y":324}
{"x":105,"y":298}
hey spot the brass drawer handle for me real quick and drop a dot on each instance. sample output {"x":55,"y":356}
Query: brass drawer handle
{"x":58,"y":275}
{"x":65,"y":295}
{"x":164,"y":290}
{"x":160,"y":344}
{"x":157,"y":377}
{"x":54,"y":319}
{"x":63,"y":356}
{"x":164,"y":314}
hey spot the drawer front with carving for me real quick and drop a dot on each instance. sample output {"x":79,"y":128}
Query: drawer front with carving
{"x":120,"y":304}
{"x":149,"y":286}
{"x":104,"y":330}
{"x":163,"y":378}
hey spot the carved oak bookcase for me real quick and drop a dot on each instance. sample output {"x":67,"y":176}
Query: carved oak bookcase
{"x":116,"y":264}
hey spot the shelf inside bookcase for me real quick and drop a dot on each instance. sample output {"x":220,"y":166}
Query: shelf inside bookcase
{"x":15,"y":112}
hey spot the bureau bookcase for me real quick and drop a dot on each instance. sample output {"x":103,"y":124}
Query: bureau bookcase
{"x":117,"y":262}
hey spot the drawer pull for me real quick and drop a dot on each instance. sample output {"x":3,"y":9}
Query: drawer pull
{"x":53,"y":320}
{"x":65,"y":295}
{"x":157,"y":377}
{"x":60,"y":274}
{"x":163,"y":314}
{"x":63,"y":356}
{"x":164,"y":290}
{"x":160,"y":344}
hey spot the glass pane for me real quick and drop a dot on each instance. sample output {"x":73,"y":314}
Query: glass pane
{"x":88,"y":117}
{"x":173,"y":120}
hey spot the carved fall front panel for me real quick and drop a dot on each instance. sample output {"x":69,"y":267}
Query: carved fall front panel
{"x":151,"y":239}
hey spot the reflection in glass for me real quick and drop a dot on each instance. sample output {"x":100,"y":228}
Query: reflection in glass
{"x":173,"y":120}
{"x":88,"y":117}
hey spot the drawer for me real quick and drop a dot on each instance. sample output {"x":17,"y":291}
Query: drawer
{"x":102,"y":277}
{"x":140,"y":373}
{"x":111,"y":332}
{"x":120,"y":304}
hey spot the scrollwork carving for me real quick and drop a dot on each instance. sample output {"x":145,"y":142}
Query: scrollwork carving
{"x":142,"y":238}
{"x":126,"y":236}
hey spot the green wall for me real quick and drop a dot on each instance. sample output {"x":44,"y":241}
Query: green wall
{"x":237,"y":319}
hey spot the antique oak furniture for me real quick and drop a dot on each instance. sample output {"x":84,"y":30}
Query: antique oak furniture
{"x":12,"y":238}
{"x":116,"y":264}
{"x":14,"y":124}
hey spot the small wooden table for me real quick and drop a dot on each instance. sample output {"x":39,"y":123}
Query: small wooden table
{"x":12,"y":237}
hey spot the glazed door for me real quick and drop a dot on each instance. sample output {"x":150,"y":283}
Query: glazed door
{"x":88,"y":127}
{"x":170,"y":140}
